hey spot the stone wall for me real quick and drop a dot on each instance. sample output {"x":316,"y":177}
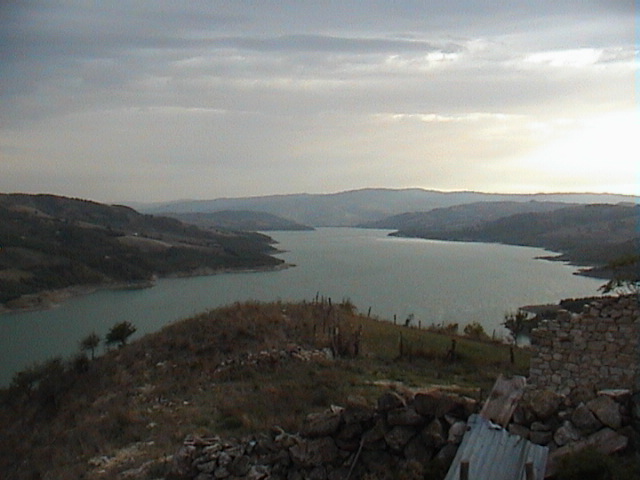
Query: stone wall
{"x":417,"y":435}
{"x":412,"y":434}
{"x":598,"y":348}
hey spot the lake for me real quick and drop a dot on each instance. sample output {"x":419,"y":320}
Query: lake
{"x":435,"y":281}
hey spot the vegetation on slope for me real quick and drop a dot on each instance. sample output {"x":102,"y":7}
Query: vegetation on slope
{"x":461,"y":216}
{"x":239,"y":220}
{"x":585,"y":235}
{"x":50,"y":242}
{"x":134,"y":405}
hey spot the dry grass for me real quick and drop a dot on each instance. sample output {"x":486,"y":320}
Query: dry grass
{"x":135,"y":405}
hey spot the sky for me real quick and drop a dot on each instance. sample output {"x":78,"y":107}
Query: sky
{"x":160,"y":100}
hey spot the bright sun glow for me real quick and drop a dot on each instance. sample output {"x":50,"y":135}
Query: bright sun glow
{"x":603,"y":152}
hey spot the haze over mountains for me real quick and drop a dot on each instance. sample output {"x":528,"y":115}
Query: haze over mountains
{"x":585,"y":228}
{"x":355,"y":207}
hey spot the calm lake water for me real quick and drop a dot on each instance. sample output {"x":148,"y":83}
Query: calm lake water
{"x":433,"y":280}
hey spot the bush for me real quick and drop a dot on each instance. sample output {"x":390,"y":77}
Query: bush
{"x":120,"y":333}
{"x":475,"y":330}
{"x":90,"y":343}
{"x":444,"y":328}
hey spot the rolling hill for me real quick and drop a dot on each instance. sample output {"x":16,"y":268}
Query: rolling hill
{"x":50,"y":242}
{"x":356,"y":207}
{"x":239,"y":220}
{"x":461,"y":216}
{"x":594,"y":235}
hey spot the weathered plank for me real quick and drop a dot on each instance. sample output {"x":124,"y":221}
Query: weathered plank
{"x":503,"y":399}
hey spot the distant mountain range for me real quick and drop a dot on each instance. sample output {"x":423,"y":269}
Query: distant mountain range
{"x":49,"y":242}
{"x":585,"y":228}
{"x":356,"y":207}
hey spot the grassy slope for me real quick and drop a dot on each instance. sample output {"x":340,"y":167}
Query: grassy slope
{"x":137,"y":403}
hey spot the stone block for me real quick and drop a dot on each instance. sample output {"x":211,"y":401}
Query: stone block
{"x":435,"y":404}
{"x":456,"y":432}
{"x":321,"y":424}
{"x":314,"y":452}
{"x":605,"y":441}
{"x":399,"y":436}
{"x":544,"y":403}
{"x":541,"y":438}
{"x":584,"y":419}
{"x":390,"y":400}
{"x":596,"y":346}
{"x":566,"y":433}
{"x":404,"y":416}
{"x":606,"y":410}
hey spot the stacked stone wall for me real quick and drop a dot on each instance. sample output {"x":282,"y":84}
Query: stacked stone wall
{"x":598,"y":348}
{"x":405,"y":436}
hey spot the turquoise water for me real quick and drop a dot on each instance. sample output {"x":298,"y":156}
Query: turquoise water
{"x":433,"y":280}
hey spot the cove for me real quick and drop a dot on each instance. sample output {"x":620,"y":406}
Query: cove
{"x":435,"y":281}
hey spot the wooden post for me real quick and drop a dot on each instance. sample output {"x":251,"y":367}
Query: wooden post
{"x":511,"y":355}
{"x":529,"y":473}
{"x":464,"y":470}
{"x":451,"y":354}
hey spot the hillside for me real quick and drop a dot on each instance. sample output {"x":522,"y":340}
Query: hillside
{"x":229,"y":372}
{"x":461,"y":216}
{"x":239,"y":220}
{"x":50,"y":242}
{"x":355,"y":207}
{"x":584,"y":235}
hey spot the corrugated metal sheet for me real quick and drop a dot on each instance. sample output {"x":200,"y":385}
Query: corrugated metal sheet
{"x":495,"y":454}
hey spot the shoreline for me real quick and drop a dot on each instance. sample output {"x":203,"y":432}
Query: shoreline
{"x":583,"y":270}
{"x":49,"y":299}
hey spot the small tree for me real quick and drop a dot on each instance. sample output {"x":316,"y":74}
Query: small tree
{"x":90,"y":342}
{"x":409,"y":320}
{"x":120,"y":333}
{"x":517,"y":324}
{"x":625,"y":273}
{"x":475,"y":330}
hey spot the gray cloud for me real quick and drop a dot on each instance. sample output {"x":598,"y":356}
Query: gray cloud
{"x":245,"y":94}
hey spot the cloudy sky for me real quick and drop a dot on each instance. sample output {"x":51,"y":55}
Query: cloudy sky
{"x":157,"y":100}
